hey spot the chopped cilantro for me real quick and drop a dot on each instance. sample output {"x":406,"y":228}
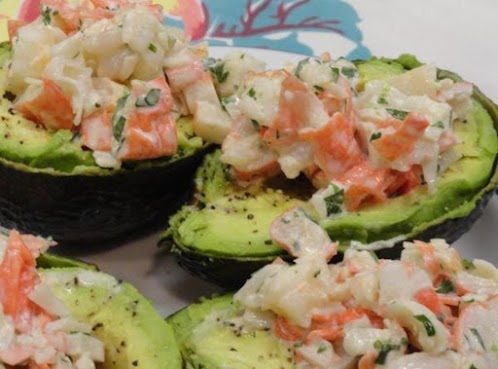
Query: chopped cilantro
{"x":384,"y":348}
{"x":321,"y":348}
{"x":118,"y":121}
{"x":438,"y":124}
{"x":46,"y":16}
{"x":333,"y":202}
{"x":375,"y":136}
{"x":476,"y":333}
{"x":335,"y":74}
{"x":153,"y":48}
{"x":429,"y":327}
{"x":398,"y":114}
{"x":382,"y":100}
{"x":446,"y":287}
{"x":218,"y":71}
{"x":150,"y":99}
{"x":468,"y":264}
{"x":252,"y":93}
{"x":300,"y":66}
{"x":349,"y":72}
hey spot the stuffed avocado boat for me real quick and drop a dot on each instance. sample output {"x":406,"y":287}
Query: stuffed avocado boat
{"x":375,"y":151}
{"x":105,"y":114}
{"x":64,"y":314}
{"x":431,"y":309}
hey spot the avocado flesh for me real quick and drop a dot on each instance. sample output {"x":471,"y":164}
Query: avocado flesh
{"x":207,"y":246}
{"x":208,"y":342}
{"x":134,"y":334}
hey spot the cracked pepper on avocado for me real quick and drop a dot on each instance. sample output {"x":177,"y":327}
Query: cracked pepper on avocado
{"x":64,"y":314}
{"x":430,"y":309}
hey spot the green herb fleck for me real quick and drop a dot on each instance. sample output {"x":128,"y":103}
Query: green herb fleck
{"x":375,"y":136}
{"x":46,"y":16}
{"x":317,"y":273}
{"x":318,"y":88}
{"x":429,"y":327}
{"x":446,"y":287}
{"x":150,"y":99}
{"x":349,"y":72}
{"x":472,"y":366}
{"x":300,"y":66}
{"x":252,"y":93}
{"x":335,"y":74}
{"x":476,"y":333}
{"x":218,"y":71}
{"x":333,"y":202}
{"x":118,"y":121}
{"x":153,"y":48}
{"x":398,"y":114}
{"x":384,"y":348}
{"x":438,"y":124}
{"x":321,"y":348}
{"x":255,"y":124}
{"x":382,"y":100}
{"x":468,"y":264}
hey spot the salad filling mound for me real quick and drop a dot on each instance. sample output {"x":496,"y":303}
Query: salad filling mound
{"x":358,"y":143}
{"x":36,"y":328}
{"x":112,"y":74}
{"x":430,"y":309}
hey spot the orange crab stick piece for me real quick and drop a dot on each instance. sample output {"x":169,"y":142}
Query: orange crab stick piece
{"x":150,"y":131}
{"x":402,"y":142}
{"x":96,"y":131}
{"x":17,"y":278}
{"x":49,"y":107}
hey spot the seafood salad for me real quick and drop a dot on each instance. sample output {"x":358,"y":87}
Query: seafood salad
{"x":112,"y":73}
{"x":36,"y":328}
{"x":430,"y":309}
{"x":358,"y":143}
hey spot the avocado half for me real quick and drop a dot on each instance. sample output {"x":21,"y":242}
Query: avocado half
{"x":224,"y":235}
{"x":134,"y":334}
{"x":208,"y":340}
{"x":49,"y":185}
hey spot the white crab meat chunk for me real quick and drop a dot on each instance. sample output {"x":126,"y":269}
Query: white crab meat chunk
{"x":237,"y":66}
{"x":360,"y":340}
{"x":260,"y":97}
{"x":210,"y":121}
{"x":429,"y":333}
{"x":400,"y":280}
{"x":301,"y":236}
{"x":476,"y":333}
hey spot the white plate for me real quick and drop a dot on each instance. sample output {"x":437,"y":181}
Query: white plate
{"x":157,"y":276}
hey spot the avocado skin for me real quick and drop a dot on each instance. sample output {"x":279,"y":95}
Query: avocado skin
{"x":232,"y":271}
{"x":82,"y":209}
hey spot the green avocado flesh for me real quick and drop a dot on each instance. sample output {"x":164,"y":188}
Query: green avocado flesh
{"x":230,"y":223}
{"x":208,"y":340}
{"x":29,"y":146}
{"x":134,"y":334}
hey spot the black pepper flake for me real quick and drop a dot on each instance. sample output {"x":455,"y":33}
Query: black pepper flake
{"x":123,"y":344}
{"x":250,"y":216}
{"x":134,"y":314}
{"x":134,"y":363}
{"x":6,"y":135}
{"x":11,"y":111}
{"x":268,"y":242}
{"x":97,"y":326}
{"x":233,"y":349}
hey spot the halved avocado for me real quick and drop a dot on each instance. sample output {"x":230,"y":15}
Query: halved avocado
{"x":208,"y":340}
{"x":134,"y":334}
{"x":49,"y":185}
{"x":224,"y":235}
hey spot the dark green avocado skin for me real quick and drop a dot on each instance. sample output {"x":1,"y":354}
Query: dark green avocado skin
{"x":231,"y":272}
{"x":94,"y":209}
